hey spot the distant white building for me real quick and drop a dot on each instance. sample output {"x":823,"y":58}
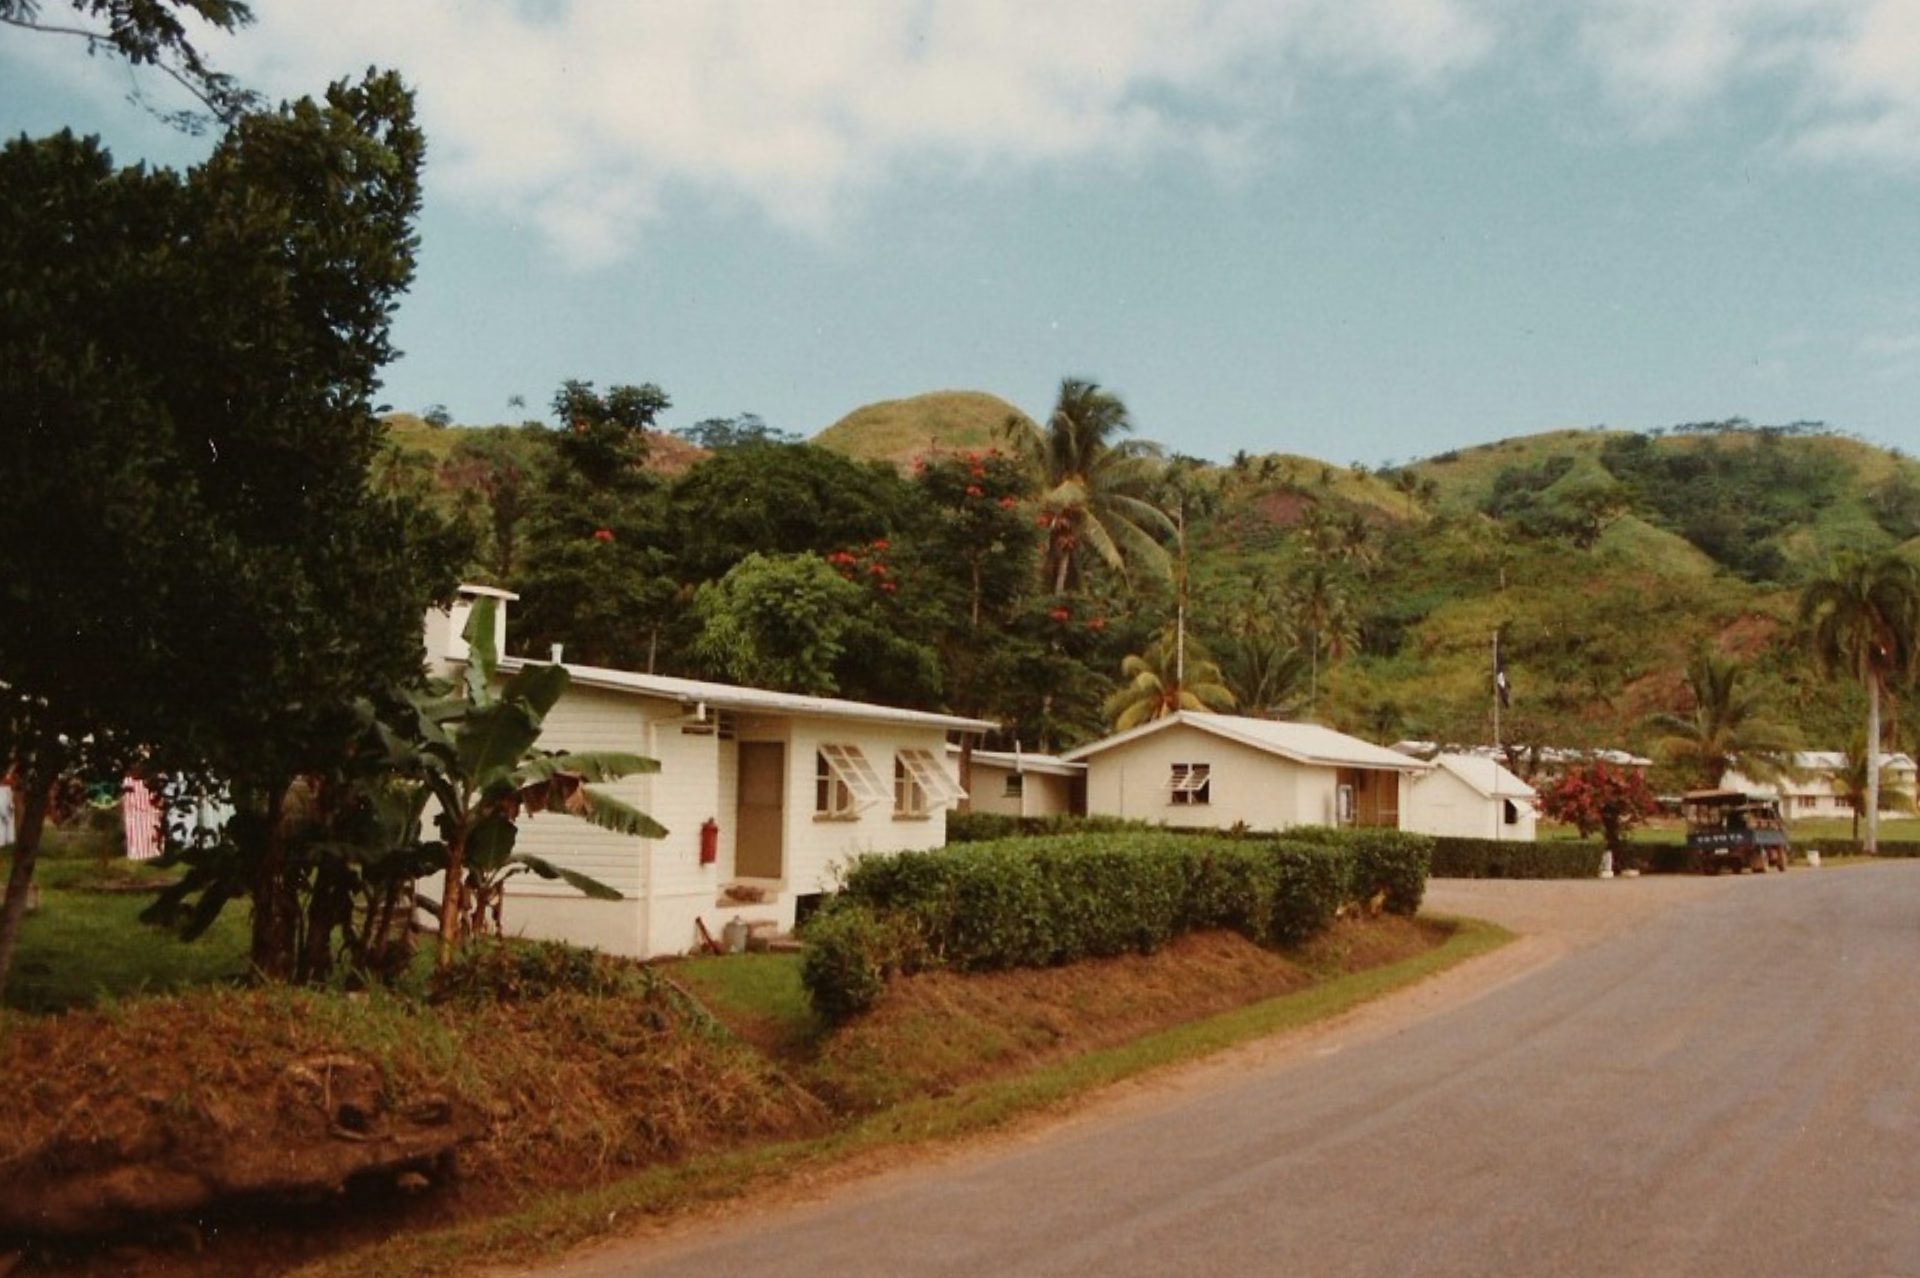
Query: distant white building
{"x":1471,"y":797}
{"x":1539,"y":762}
{"x":1814,"y":792}
{"x":1015,"y":783}
{"x":1221,"y":770}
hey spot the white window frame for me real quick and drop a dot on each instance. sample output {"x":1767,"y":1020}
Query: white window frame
{"x":937,"y":787}
{"x":1016,"y":787}
{"x":1190,"y":785}
{"x":844,"y":782}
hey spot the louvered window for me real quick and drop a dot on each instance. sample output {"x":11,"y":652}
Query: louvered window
{"x":1191,"y":783}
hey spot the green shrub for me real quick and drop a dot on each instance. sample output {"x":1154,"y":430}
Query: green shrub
{"x":1898,"y":848}
{"x":986,"y":827}
{"x":512,"y":971}
{"x":1393,"y":863}
{"x":1506,"y":859}
{"x":1038,"y":901}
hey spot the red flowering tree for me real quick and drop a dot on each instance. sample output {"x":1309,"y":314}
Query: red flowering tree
{"x":1599,"y":797}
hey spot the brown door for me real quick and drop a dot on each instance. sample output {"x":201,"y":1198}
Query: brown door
{"x":760,"y":844}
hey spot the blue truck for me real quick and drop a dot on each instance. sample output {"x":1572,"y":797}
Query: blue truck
{"x":1727,"y":829}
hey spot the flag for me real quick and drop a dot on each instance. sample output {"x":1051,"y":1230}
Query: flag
{"x":1501,"y":688}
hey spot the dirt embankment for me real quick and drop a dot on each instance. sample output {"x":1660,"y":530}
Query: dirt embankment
{"x":279,"y":1123}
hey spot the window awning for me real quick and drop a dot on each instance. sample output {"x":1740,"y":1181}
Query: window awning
{"x":932,"y":778}
{"x":1188,"y":778}
{"x":852,"y":770}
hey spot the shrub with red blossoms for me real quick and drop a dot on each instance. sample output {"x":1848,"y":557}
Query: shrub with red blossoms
{"x":1599,"y":797}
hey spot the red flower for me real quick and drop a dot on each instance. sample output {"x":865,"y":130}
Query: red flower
{"x":975,"y":490}
{"x":1008,"y":503}
{"x":603,"y":534}
{"x":1040,"y":520}
{"x":881,"y":543}
{"x":1098,"y":623}
{"x":889,"y":586}
{"x":1060,"y":614}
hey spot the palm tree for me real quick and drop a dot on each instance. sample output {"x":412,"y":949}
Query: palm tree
{"x":1264,"y":670}
{"x":1850,"y":779}
{"x":1323,"y":617}
{"x":1724,"y":731}
{"x":1093,"y":485}
{"x":1863,"y":618}
{"x":1155,"y":687}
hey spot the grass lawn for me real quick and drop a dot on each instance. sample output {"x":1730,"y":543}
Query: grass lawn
{"x":86,"y":944}
{"x":763,"y":990}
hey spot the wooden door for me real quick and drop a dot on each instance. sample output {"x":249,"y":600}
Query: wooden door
{"x":760,"y":841}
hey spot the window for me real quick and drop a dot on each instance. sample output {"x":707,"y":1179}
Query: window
{"x":843,"y":781}
{"x":919,"y":782}
{"x":1016,"y":785}
{"x":1191,"y":783}
{"x":1512,"y":811}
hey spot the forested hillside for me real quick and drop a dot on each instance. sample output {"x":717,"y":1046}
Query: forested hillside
{"x":925,"y":552}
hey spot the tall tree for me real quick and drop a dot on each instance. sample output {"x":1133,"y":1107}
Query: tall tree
{"x":151,"y":33}
{"x":1156,"y":686}
{"x":1093,"y":485}
{"x":1323,"y":617}
{"x":1725,"y":728}
{"x":195,"y":564}
{"x":1863,"y":619}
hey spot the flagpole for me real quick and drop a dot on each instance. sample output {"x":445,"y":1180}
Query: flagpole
{"x":1496,"y":695}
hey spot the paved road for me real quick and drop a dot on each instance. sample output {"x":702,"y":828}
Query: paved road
{"x":1727,"y":1085}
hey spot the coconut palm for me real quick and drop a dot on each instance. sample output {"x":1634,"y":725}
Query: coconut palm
{"x":1850,"y":779}
{"x":1093,"y":485}
{"x":1725,"y":730}
{"x":1863,"y":619}
{"x":1264,"y":670}
{"x":1156,"y":688}
{"x":1323,"y":619}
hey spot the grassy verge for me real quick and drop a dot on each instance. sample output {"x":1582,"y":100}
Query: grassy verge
{"x":85,"y":944}
{"x":550,"y":1223}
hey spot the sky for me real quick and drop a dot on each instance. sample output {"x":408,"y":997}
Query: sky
{"x":1362,"y":230}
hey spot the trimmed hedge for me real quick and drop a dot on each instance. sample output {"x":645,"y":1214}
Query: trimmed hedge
{"x":1898,"y":848}
{"x":1037,"y":902}
{"x":1393,"y":863}
{"x":1505,"y":859}
{"x":986,"y":827}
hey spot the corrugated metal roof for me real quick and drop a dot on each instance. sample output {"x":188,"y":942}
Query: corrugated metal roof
{"x":728,"y":696}
{"x":1047,"y":764}
{"x":1301,"y":742}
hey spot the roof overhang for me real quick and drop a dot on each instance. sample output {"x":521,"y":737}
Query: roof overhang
{"x":1226,"y":727}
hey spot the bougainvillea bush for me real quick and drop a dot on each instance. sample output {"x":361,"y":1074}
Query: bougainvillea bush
{"x":1599,"y":797}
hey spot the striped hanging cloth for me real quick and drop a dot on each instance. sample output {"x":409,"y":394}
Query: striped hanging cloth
{"x":145,"y":820}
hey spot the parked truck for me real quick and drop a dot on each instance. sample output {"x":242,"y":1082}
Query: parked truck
{"x":1730,"y":829}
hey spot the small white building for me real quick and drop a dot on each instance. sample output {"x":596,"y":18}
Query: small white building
{"x":1471,"y":797}
{"x":1814,"y":792}
{"x":764,"y":794}
{"x":1220,"y":770}
{"x":1020,"y":784}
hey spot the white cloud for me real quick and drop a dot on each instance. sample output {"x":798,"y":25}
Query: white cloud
{"x":1844,"y":74}
{"x":583,"y":116}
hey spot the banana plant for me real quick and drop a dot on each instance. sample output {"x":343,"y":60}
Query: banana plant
{"x":475,"y":749}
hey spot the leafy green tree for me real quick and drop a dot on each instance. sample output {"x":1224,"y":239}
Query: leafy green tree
{"x":716,"y":434}
{"x":151,"y":33}
{"x":1725,"y":729}
{"x":1265,"y":671}
{"x":1322,"y":615}
{"x":1863,"y":619}
{"x":596,"y":576}
{"x":777,"y":621}
{"x":1155,"y":686}
{"x":194,"y":559}
{"x":777,"y":499}
{"x":1093,"y":485}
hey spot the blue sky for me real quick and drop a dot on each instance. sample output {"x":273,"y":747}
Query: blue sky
{"x":1358,"y":229}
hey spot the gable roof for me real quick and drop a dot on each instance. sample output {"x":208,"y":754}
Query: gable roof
{"x":1486,"y":777}
{"x":1021,"y":761}
{"x":728,"y":696}
{"x":1307,"y":743}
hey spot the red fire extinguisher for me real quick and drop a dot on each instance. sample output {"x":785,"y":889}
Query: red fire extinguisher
{"x":709,"y":841}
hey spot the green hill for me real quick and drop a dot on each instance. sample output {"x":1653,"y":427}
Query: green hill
{"x":899,"y":430}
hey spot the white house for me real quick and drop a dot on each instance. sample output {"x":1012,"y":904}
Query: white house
{"x":1221,"y":770}
{"x":764,"y":793}
{"x":1020,"y":784}
{"x":1472,"y":797}
{"x":1813,"y":790}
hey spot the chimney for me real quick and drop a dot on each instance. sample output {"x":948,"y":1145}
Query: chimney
{"x":445,"y":628}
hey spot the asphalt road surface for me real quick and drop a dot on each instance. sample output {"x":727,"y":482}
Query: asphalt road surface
{"x":1719,"y":1077}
